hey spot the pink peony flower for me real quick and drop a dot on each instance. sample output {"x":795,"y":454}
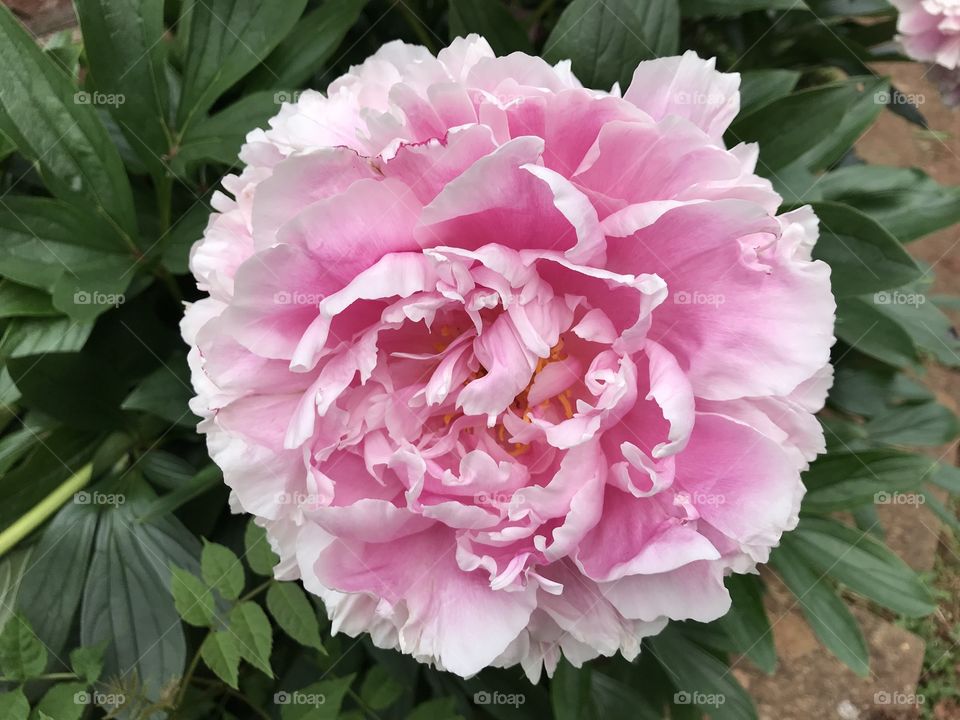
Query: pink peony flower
{"x":507,"y":367}
{"x":930,"y":30}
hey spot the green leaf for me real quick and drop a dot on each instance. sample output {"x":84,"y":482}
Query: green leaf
{"x":289,"y":606}
{"x":862,"y":326}
{"x":787,"y":127}
{"x":14,"y":705}
{"x":51,"y":462}
{"x":759,"y":87}
{"x":76,"y":388}
{"x":616,"y":700}
{"x":165,"y":469}
{"x":12,"y":569}
{"x":165,"y":393}
{"x":187,"y":229}
{"x":63,"y":136}
{"x":21,"y":301}
{"x":127,"y":602}
{"x":22,"y":655}
{"x":62,"y":559}
{"x":221,"y":654}
{"x":859,"y":114}
{"x":437,"y":709}
{"x":193,"y":599}
{"x":606,"y":40}
{"x":208,"y":478}
{"x":258,"y":555}
{"x":379,"y":689}
{"x":222,"y":570}
{"x":249,"y":623}
{"x":68,"y":252}
{"x":931,"y":330}
{"x":87,"y":663}
{"x":863,"y":256}
{"x":491,"y":20}
{"x":570,"y":691}
{"x":927,"y":424}
{"x":126,"y":55}
{"x":824,"y":610}
{"x":220,"y":136}
{"x":60,"y":701}
{"x":905,"y":201}
{"x":27,"y":337}
{"x":947,"y":477}
{"x":705,"y":8}
{"x":326,"y":696}
{"x":847,"y":480}
{"x":228,"y":38}
{"x":700,"y":678}
{"x":864,"y":565}
{"x":747,"y":625}
{"x":313,"y":41}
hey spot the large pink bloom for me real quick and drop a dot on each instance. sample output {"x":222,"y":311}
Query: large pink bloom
{"x":930,"y":30}
{"x":505,"y":366}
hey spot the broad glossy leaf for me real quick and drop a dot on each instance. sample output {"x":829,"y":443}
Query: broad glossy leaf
{"x":61,"y":561}
{"x":192,"y":598}
{"x":332,"y":691}
{"x":570,"y":692}
{"x":759,"y":87}
{"x":380,"y":689}
{"x":219,"y":137}
{"x":491,"y":20}
{"x":905,"y":201}
{"x":926,"y":424}
{"x":60,"y":702}
{"x":747,"y":624}
{"x":165,"y":393}
{"x":21,"y":301}
{"x":259,"y":556}
{"x":862,"y":326}
{"x":705,"y":8}
{"x":49,"y":125}
{"x":701,"y":677}
{"x":126,"y":54}
{"x":863,"y":256}
{"x":825,"y":611}
{"x":14,"y":705}
{"x":863,"y":564}
{"x":228,"y":38}
{"x":127,"y":601}
{"x":26,"y":337}
{"x":311,"y":43}
{"x":847,"y":480}
{"x":606,"y":40}
{"x":72,"y":254}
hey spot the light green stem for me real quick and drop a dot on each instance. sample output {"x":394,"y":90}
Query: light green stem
{"x":35,"y":517}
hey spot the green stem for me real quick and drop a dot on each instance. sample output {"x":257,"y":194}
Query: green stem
{"x":256,"y":591}
{"x":35,"y":517}
{"x":188,"y":678}
{"x":48,"y":676}
{"x":538,"y":13}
